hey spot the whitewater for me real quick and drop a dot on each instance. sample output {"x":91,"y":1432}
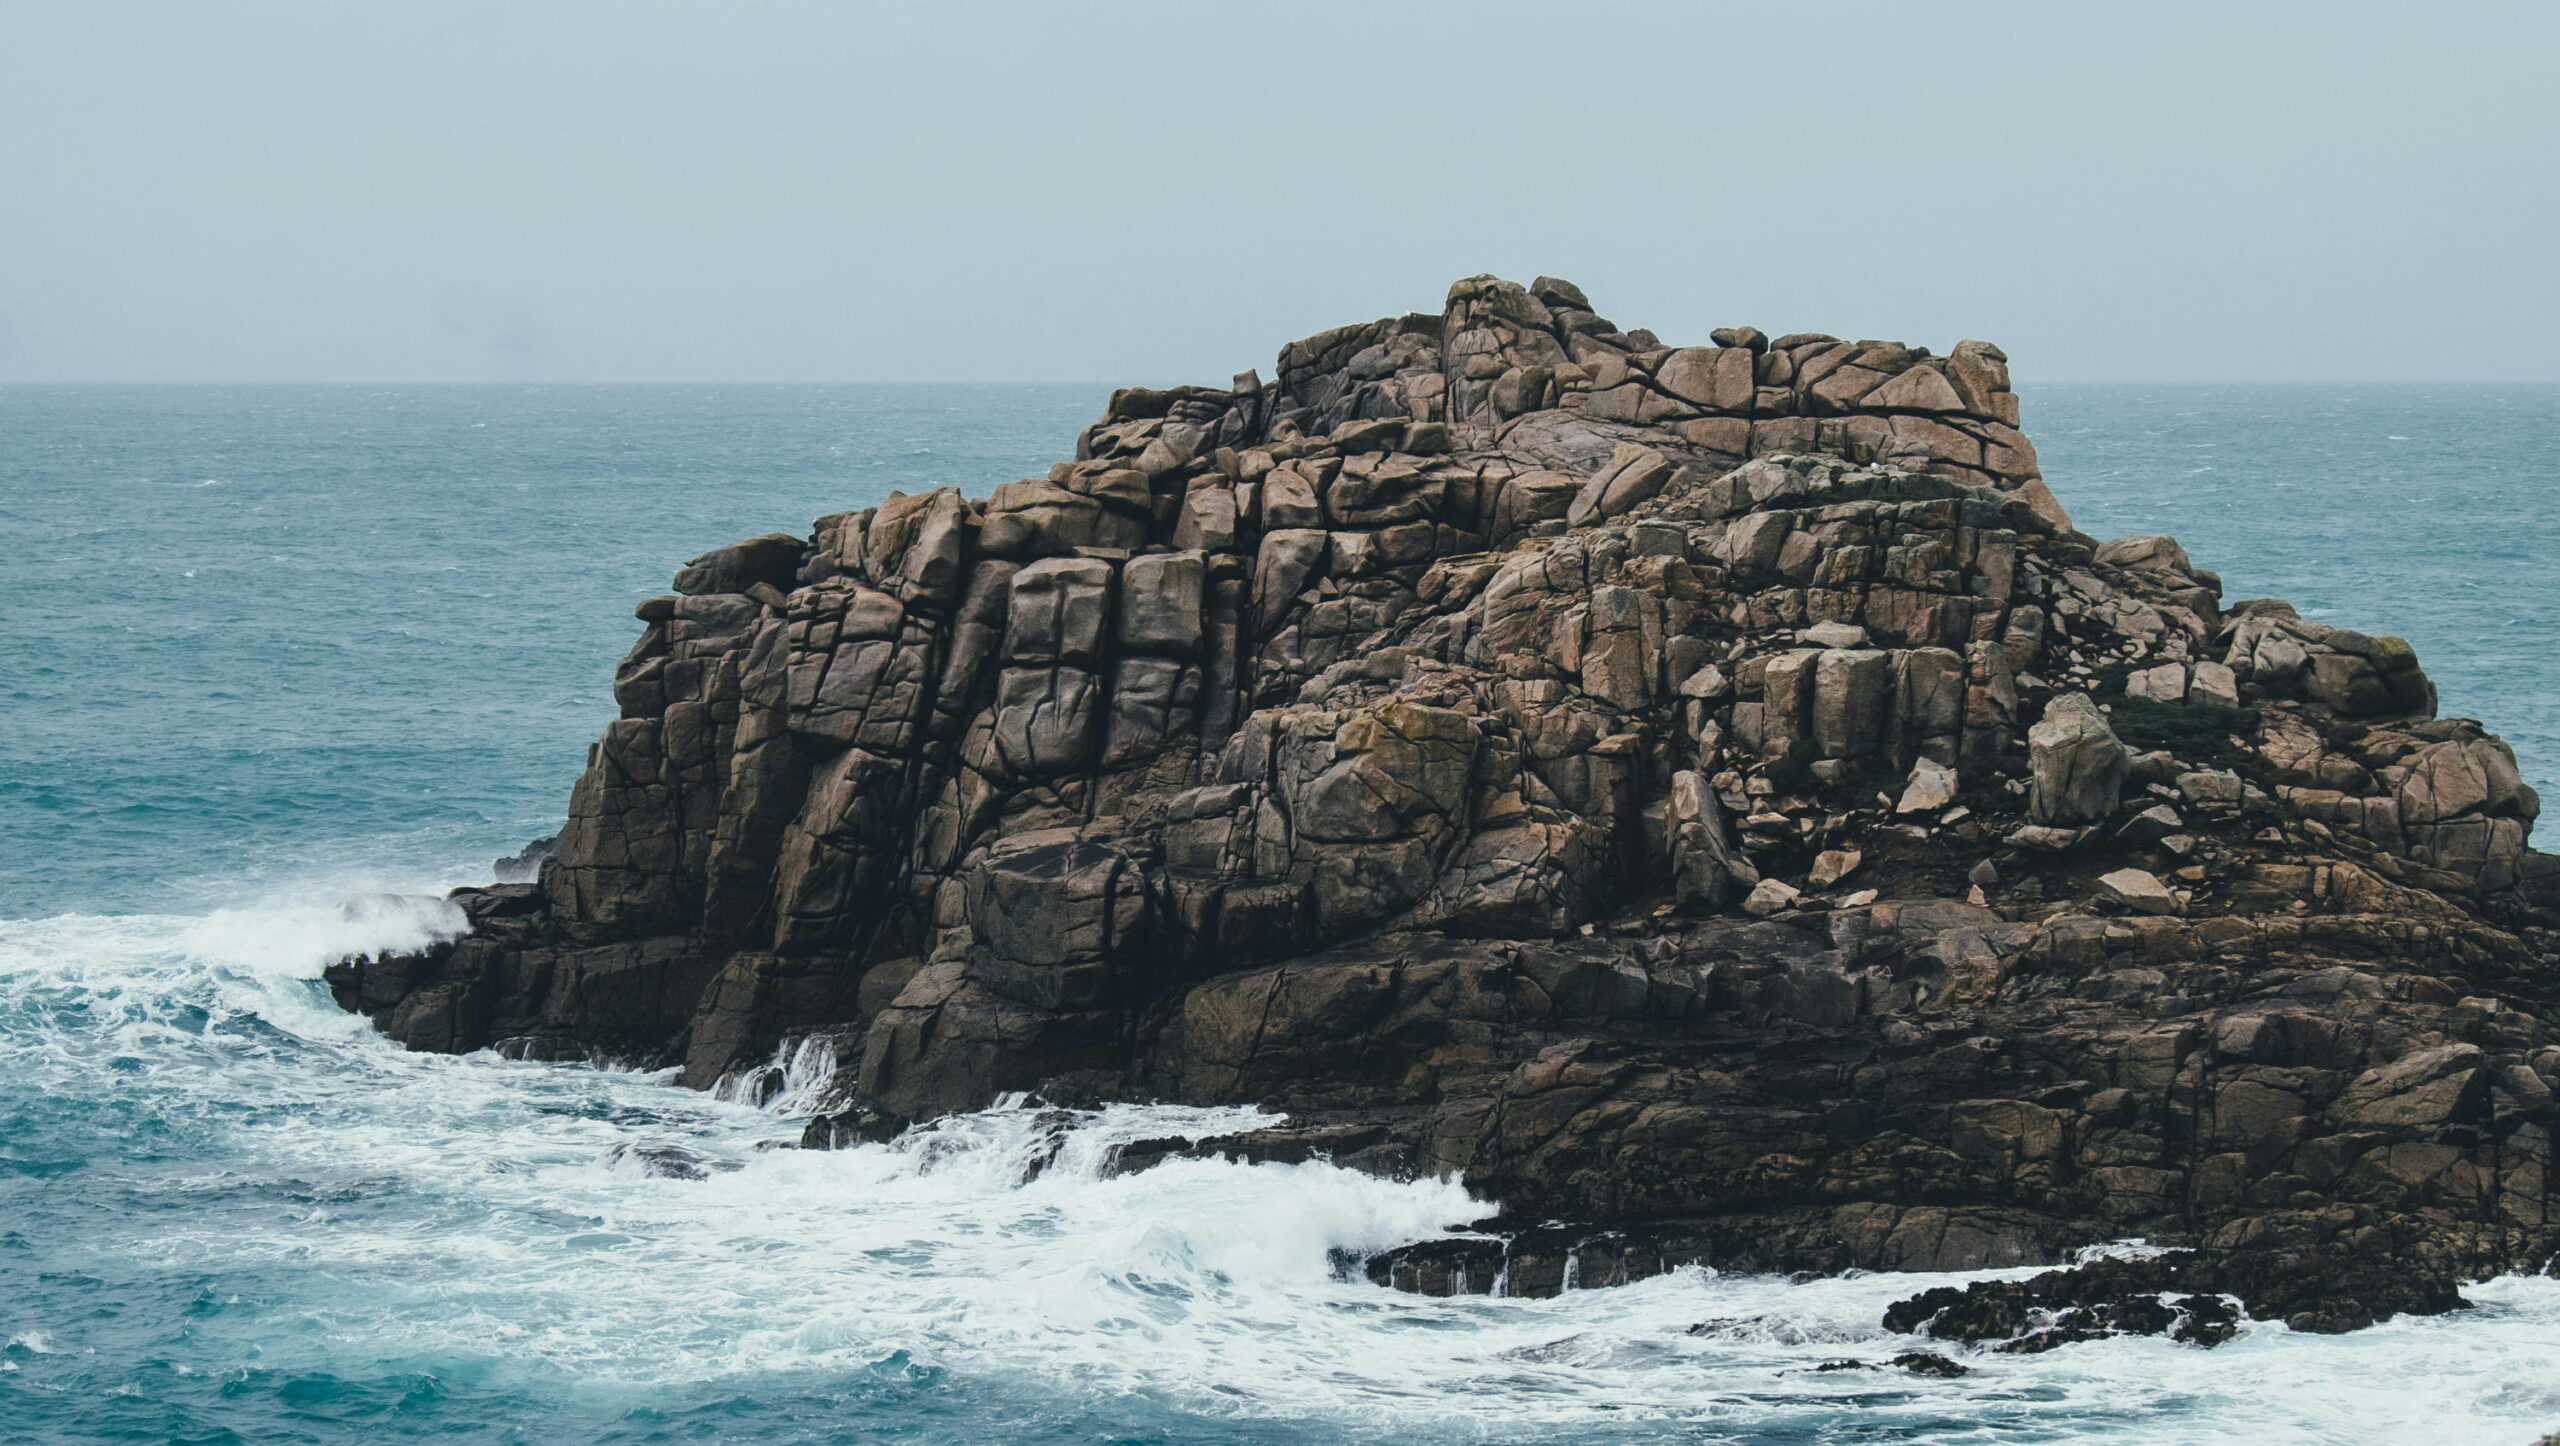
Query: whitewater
{"x":257,"y":725}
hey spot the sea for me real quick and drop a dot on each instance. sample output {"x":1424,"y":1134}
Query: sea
{"x":280,"y":665}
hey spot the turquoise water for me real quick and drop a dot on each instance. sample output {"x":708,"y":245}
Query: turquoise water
{"x":247,"y":634}
{"x":277,"y":661}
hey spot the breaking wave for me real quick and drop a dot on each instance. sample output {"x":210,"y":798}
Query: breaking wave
{"x":236,"y":1209}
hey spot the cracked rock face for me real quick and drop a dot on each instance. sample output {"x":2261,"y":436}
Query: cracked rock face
{"x":1517,"y":747}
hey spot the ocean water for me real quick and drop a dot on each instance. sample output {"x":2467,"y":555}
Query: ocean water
{"x":277,"y":665}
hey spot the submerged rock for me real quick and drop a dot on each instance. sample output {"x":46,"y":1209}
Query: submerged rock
{"x":669,"y":1162}
{"x":854,"y":1125}
{"x":1930,"y":1363}
{"x":2322,"y":1280}
{"x":1450,"y":743}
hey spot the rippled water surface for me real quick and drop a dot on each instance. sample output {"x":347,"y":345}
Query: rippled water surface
{"x":271,"y":657}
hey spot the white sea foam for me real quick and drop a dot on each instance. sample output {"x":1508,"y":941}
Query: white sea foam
{"x":800,"y":1079}
{"x":294,"y":941}
{"x":475,"y":1209}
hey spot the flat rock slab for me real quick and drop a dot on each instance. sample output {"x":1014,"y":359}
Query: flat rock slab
{"x":2138,"y":890}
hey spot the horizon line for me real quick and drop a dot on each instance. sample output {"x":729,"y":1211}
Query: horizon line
{"x":2021,"y":386}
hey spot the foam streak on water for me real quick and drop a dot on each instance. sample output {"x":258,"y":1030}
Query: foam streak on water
{"x":260,"y":1216}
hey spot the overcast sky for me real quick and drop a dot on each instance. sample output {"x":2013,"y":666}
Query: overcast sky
{"x":1105,"y":192}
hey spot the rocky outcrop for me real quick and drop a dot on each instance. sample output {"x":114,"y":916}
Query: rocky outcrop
{"x":1707,"y":794}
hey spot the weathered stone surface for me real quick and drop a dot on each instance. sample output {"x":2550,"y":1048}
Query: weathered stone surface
{"x":1931,"y":787}
{"x":1059,"y":609}
{"x":1042,"y":519}
{"x":1633,"y":474}
{"x":1706,"y":869}
{"x":1432,"y":742}
{"x":2427,"y":1087}
{"x":1160,"y":603}
{"x":1044,"y":719}
{"x":2156,"y":554}
{"x":1851,"y":688}
{"x":1770,"y":896}
{"x":2138,"y":890}
{"x":2078,"y":763}
{"x":773,"y":560}
{"x":2214,"y":685}
{"x":2151,"y":825}
{"x":1209,"y":522}
{"x":2166,"y":683}
{"x":1287,"y":561}
{"x":1832,"y":865}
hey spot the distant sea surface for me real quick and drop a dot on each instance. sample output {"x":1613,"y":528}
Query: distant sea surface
{"x":277,"y":662}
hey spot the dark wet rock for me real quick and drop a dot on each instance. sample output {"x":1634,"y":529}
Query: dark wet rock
{"x":670,"y":1162}
{"x":854,"y":1125}
{"x":501,"y":901}
{"x":1930,"y":1363}
{"x":522,"y":866}
{"x":1457,"y":742}
{"x":1346,"y":1144}
{"x":2321,"y":1282}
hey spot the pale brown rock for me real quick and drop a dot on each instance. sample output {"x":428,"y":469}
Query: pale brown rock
{"x":2138,"y":890}
{"x":1633,"y":474}
{"x":2079,"y":765}
{"x":1832,"y":865}
{"x":2214,"y":685}
{"x":1931,"y":787}
{"x":2166,"y":683}
{"x":1770,"y":896}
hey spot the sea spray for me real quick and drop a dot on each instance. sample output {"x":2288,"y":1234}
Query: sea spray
{"x":287,"y":1210}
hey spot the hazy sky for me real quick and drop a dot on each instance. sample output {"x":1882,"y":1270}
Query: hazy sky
{"x":1104,"y":192}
